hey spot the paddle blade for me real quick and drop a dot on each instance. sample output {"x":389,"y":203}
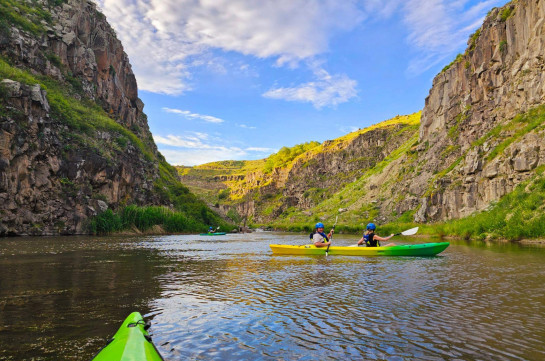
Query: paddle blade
{"x":410,"y":232}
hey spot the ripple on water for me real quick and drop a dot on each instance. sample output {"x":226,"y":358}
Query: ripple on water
{"x":239,"y":304}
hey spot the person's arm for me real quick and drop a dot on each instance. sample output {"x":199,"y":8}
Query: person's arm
{"x":361,"y":241}
{"x":330,"y":233}
{"x":322,"y":244}
{"x":317,"y":239}
{"x":383,"y":239}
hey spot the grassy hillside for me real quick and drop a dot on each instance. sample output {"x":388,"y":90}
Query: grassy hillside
{"x":234,"y":183}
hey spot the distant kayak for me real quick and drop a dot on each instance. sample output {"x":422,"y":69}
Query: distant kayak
{"x":424,"y":249}
{"x":213,"y":234}
{"x":130,"y":343}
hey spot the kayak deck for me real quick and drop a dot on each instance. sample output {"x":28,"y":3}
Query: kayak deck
{"x":213,"y":234}
{"x":130,"y":343}
{"x":424,"y":249}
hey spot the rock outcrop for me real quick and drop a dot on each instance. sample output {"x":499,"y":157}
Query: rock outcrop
{"x":500,"y":76}
{"x":56,"y":173}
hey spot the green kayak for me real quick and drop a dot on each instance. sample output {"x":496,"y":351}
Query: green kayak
{"x":130,"y":343}
{"x":214,"y":234}
{"x":424,"y":249}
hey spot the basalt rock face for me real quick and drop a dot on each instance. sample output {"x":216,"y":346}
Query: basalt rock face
{"x":52,"y":178}
{"x":500,"y":75}
{"x":338,"y":165}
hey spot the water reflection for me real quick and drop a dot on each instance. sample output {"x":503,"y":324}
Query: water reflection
{"x":229,"y":298}
{"x":60,"y":298}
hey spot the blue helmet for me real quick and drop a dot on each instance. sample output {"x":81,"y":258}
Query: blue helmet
{"x":210,"y":227}
{"x":371,"y":226}
{"x":319,"y":225}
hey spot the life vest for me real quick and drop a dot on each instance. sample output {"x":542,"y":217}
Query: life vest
{"x":370,"y":240}
{"x":322,"y":234}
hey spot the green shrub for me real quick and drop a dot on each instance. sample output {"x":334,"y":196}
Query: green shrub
{"x":506,"y":13}
{"x":285,"y":155}
{"x":235,"y":217}
{"x":458,"y":58}
{"x":5,"y":30}
{"x":224,"y":193}
{"x":473,"y":39}
{"x":54,"y":59}
{"x":24,"y":15}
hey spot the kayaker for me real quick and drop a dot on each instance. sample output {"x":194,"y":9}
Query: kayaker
{"x":319,"y":238}
{"x":211,"y":230}
{"x":370,"y":239}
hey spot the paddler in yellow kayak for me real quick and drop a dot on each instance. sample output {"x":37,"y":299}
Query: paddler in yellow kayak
{"x":319,"y":238}
{"x":370,"y":239}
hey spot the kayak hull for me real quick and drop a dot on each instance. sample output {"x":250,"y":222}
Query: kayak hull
{"x":130,"y":343}
{"x":425,"y":249}
{"x":214,"y":234}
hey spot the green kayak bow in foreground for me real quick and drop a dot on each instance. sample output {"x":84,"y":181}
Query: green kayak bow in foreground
{"x":130,"y":343}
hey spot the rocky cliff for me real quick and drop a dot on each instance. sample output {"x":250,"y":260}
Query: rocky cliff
{"x":74,"y":139}
{"x":472,"y":110}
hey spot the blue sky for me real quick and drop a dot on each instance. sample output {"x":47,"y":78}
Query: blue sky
{"x":239,"y":79}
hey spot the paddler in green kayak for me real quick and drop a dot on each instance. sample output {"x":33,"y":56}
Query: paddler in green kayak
{"x":319,"y":238}
{"x":370,"y":239}
{"x":212,"y":230}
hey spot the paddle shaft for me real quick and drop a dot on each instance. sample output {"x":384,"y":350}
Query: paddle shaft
{"x":327,"y":250}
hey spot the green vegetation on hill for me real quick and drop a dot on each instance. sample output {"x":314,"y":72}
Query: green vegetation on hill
{"x":24,"y":15}
{"x":81,"y":116}
{"x":286,"y":155}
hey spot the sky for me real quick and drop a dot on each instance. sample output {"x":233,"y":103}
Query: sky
{"x":240,"y":79}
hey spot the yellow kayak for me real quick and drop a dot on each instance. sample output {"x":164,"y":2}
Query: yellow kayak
{"x":424,"y":249}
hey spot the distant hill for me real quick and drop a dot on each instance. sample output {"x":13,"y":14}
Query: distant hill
{"x":300,"y":179}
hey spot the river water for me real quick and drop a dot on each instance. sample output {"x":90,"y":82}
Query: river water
{"x":229,"y":298}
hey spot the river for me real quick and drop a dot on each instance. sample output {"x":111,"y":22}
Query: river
{"x":229,"y":298}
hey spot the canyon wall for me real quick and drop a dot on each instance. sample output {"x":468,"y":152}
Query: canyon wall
{"x":74,"y":140}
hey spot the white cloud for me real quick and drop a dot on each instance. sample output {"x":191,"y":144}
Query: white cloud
{"x":190,"y":115}
{"x":439,"y":28}
{"x":165,"y":39}
{"x":246,"y":126}
{"x":194,"y":140}
{"x":161,"y":36}
{"x":326,"y":90}
{"x":261,"y":150}
{"x":349,"y":129}
{"x":191,"y":157}
{"x":198,"y":148}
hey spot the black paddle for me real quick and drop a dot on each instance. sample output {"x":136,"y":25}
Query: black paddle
{"x":327,"y":250}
